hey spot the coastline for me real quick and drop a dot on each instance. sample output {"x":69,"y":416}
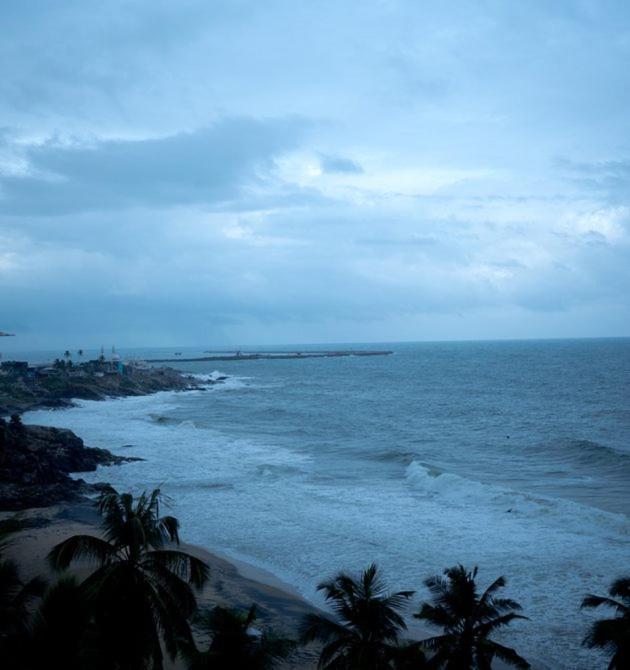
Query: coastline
{"x":234,"y":583}
{"x":33,"y":388}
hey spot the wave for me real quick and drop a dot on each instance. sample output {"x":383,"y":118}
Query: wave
{"x":162,"y":420}
{"x":433,"y":482}
{"x":452,"y":490}
{"x":583,"y":453}
{"x":218,"y":380}
{"x":213,"y":376}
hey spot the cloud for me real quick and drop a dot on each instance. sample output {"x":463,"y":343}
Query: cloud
{"x":332,"y":164}
{"x":609,"y":179}
{"x":308,"y":170}
{"x":209,"y":166}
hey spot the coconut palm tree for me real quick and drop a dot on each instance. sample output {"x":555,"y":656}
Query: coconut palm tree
{"x":61,"y":633}
{"x":142,"y":591}
{"x":16,"y":596}
{"x":468,"y":619}
{"x":612,"y":635}
{"x":366,"y":632}
{"x":235,"y":643}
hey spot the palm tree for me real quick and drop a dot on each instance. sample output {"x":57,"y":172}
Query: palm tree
{"x":142,"y":592}
{"x":468,"y":619}
{"x":612,"y":635}
{"x":16,"y":595}
{"x":236,"y":644}
{"x":369,"y":623}
{"x":61,"y":632}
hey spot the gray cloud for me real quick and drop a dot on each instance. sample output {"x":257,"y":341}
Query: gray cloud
{"x":192,"y":171}
{"x":210,"y":165}
{"x":332,"y":164}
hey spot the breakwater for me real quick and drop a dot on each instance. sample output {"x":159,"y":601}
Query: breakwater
{"x":270,"y":355}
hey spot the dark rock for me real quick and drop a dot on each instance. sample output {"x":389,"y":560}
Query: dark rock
{"x":35,"y":462}
{"x":20,"y":394}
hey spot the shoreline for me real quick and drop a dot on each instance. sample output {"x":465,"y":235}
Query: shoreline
{"x":233,"y":584}
{"x":36,"y":388}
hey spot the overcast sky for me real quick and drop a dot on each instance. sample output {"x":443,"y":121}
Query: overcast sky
{"x":200,"y":172}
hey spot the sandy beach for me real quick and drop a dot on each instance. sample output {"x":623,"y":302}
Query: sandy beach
{"x":231,"y":584}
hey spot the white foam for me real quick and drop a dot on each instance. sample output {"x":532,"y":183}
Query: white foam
{"x":451,"y":489}
{"x":209,"y":377}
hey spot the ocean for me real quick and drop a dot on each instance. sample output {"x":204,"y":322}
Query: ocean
{"x":513,"y":456}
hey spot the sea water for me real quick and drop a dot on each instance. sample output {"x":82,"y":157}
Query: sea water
{"x":513,"y":456}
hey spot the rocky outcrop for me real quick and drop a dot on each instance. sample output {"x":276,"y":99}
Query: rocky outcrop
{"x":57,"y":390}
{"x":35,"y":462}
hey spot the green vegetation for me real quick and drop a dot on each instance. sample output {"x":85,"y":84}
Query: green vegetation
{"x":142,"y":592}
{"x":368,"y":622}
{"x":467,"y":620}
{"x":612,"y":635}
{"x":138,"y":605}
{"x":15,"y":596}
{"x":233,"y":644}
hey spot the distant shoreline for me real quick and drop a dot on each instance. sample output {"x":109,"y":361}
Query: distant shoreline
{"x":37,"y":387}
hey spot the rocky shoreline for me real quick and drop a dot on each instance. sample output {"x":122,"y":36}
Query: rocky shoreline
{"x":36,"y":462}
{"x":26,"y":392}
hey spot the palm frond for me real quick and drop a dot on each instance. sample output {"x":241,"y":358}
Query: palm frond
{"x":80,"y":547}
{"x":435,"y":615}
{"x":621,"y":588}
{"x":503,"y":604}
{"x":333,"y":655}
{"x":9,"y":527}
{"x":184,"y":565}
{"x":317,"y":627}
{"x":398,"y":600}
{"x":172,"y":618}
{"x":607,"y":634}
{"x":175,"y":592}
{"x":170,"y":526}
{"x":591,"y":601}
{"x":508,"y":655}
{"x":497,"y":584}
{"x":486,"y":628}
{"x":32,"y":589}
{"x":439,"y":642}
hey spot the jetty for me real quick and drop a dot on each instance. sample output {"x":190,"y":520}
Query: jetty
{"x":270,"y":355}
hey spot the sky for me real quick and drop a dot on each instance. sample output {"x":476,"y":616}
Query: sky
{"x":206,"y":172}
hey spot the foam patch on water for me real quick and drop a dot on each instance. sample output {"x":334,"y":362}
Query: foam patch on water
{"x":451,"y":489}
